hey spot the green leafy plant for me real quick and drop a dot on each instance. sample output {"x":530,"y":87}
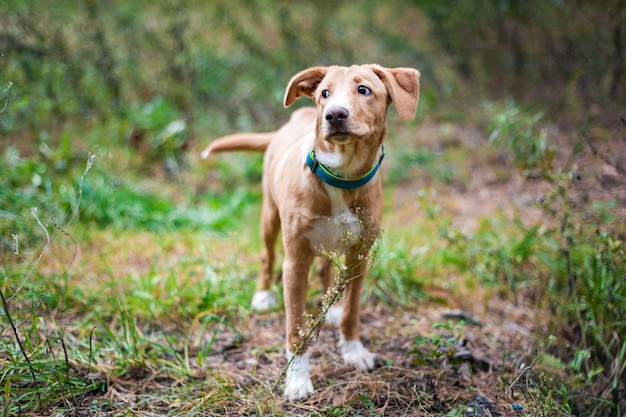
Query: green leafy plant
{"x":159,"y":132}
{"x":394,"y":277}
{"x":514,"y":129}
{"x":580,"y":255}
{"x":439,"y":348}
{"x":499,"y":257}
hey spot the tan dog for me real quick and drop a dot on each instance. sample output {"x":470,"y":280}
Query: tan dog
{"x":320,"y":176}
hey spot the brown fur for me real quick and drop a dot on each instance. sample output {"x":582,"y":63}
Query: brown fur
{"x":298,"y":202}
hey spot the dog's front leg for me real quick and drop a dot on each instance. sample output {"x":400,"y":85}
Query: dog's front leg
{"x":352,"y":349}
{"x":298,"y":259}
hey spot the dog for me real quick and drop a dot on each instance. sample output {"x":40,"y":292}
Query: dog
{"x":320,"y":179}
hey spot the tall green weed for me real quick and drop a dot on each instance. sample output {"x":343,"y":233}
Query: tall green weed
{"x":575,"y":259}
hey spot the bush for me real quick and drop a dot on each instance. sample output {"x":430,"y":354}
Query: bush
{"x":578,"y":264}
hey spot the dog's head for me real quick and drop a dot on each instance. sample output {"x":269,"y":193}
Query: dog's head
{"x":352,"y":101}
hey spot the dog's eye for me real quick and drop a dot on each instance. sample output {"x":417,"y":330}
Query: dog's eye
{"x":325,"y":93}
{"x":364,"y":90}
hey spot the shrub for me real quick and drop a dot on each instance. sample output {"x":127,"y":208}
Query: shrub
{"x":579,"y":261}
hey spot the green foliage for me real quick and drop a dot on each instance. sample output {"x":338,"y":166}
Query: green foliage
{"x":52,"y":182}
{"x":518,"y":132}
{"x":434,"y":163}
{"x":159,"y":130}
{"x":109,"y":203}
{"x":516,"y":46}
{"x":497,"y":257}
{"x":441,"y":347}
{"x":229,"y":61}
{"x":395,"y":277}
{"x":581,"y":261}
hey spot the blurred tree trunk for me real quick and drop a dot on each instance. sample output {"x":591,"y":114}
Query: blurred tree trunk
{"x":104,"y":60}
{"x":178,"y":68}
{"x":514,"y":35}
{"x":618,"y":50}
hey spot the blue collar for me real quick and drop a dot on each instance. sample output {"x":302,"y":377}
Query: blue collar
{"x":335,"y":180}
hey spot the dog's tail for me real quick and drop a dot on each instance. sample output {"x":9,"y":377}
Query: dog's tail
{"x":257,"y":142}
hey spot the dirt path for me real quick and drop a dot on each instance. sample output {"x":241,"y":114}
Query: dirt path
{"x":479,"y":361}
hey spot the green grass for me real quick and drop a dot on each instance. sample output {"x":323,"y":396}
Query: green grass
{"x":81,"y":322}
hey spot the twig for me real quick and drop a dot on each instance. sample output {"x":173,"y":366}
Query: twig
{"x":67,"y":367}
{"x":6,"y":102}
{"x":65,"y":271}
{"x":524,"y":371}
{"x":17,"y":245}
{"x":91,"y":347}
{"x":90,"y":160}
{"x":33,"y":212}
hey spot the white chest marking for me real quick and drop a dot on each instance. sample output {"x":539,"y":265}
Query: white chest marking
{"x":338,"y":231}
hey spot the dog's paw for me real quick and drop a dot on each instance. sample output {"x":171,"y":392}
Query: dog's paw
{"x":298,"y":384}
{"x":263,"y":301}
{"x":334,"y":315}
{"x":354,"y":353}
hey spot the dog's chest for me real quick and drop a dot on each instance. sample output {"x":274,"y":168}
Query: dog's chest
{"x":337,"y":232}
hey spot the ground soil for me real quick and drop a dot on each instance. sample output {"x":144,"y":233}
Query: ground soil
{"x":490,"y":352}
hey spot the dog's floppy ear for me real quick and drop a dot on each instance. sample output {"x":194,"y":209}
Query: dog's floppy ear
{"x":304,"y":83}
{"x":403,"y":85}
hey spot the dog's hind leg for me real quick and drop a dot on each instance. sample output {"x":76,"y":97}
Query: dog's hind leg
{"x":263,"y":298}
{"x":326,"y":275}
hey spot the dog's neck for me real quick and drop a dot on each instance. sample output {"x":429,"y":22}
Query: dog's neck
{"x":350,"y":161}
{"x":330,"y":176}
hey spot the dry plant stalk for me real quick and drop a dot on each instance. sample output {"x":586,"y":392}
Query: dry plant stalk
{"x":365,"y":241}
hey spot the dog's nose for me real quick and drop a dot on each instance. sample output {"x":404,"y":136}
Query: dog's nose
{"x":336,"y":115}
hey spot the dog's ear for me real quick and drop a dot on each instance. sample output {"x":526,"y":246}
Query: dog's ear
{"x":304,"y":84}
{"x":403,"y":85}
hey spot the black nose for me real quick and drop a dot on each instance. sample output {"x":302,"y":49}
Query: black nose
{"x":336,"y":115}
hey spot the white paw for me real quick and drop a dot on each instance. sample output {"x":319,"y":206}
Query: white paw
{"x":354,"y":353}
{"x":298,"y":384}
{"x":334,"y":315}
{"x":263,"y":301}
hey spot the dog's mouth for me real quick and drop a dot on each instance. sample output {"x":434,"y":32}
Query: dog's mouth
{"x":339,"y":136}
{"x":339,"y":139}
